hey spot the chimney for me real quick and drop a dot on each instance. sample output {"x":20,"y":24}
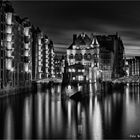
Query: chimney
{"x":74,"y":37}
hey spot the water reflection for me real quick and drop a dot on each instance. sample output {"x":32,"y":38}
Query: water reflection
{"x":97,"y":121}
{"x":46,"y":115}
{"x":27,"y":117}
{"x":132,"y":113}
{"x":39,"y":114}
{"x":8,"y":125}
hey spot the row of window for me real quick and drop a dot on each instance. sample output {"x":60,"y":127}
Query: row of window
{"x":85,"y":56}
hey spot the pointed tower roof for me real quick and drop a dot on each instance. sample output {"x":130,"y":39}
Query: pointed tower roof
{"x":95,"y":41}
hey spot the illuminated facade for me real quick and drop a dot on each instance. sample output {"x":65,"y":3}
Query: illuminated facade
{"x":43,"y":55}
{"x":16,"y":66}
{"x":26,"y":53}
{"x":51,"y":56}
{"x":27,"y":49}
{"x":100,"y":56}
{"x":7,"y":48}
{"x":132,"y":66}
{"x":58,"y":66}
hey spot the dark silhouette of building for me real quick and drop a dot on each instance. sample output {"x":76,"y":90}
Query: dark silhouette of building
{"x":133,"y":66}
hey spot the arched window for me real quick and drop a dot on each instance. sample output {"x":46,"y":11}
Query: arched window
{"x":76,"y":56}
{"x":85,"y":56}
{"x":80,"y":57}
{"x":71,"y":56}
{"x":89,"y":56}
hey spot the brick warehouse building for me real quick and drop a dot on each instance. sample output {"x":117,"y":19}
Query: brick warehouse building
{"x":16,"y":45}
{"x":26,"y":53}
{"x":101,"y":56}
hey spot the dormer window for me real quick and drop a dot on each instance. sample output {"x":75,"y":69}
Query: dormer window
{"x":82,"y":35}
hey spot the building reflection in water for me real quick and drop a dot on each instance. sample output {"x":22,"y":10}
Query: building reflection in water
{"x":9,"y":125}
{"x":46,"y":115}
{"x":97,"y":121}
{"x":91,"y":89}
{"x":39,"y":111}
{"x":131,"y":114}
{"x":53,"y":113}
{"x":27,"y":117}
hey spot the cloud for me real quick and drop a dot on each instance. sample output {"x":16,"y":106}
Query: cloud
{"x":60,"y":20}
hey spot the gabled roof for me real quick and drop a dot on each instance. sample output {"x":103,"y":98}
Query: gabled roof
{"x":83,"y":39}
{"x":95,"y":41}
{"x":70,"y":47}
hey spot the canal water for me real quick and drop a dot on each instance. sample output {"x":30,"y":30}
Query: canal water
{"x":44,"y":114}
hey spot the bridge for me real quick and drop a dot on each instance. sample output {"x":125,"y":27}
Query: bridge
{"x":47,"y":80}
{"x":128,"y":79}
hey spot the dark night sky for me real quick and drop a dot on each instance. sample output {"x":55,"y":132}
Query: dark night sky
{"x":60,"y":20}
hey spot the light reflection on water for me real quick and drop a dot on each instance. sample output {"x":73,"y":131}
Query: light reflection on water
{"x":45,"y":115}
{"x":8,"y":126}
{"x":27,"y":117}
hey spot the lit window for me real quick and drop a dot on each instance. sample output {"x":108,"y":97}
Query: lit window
{"x":69,"y":70}
{"x":80,"y":78}
{"x":9,"y":18}
{"x":9,"y":29}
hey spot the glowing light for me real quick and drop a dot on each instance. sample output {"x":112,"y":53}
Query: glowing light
{"x":27,"y":118}
{"x":73,"y":70}
{"x":39,"y":57}
{"x":39,"y":53}
{"x":47,"y":116}
{"x":26,"y":53}
{"x":8,"y":126}
{"x":9,"y":45}
{"x":80,"y":78}
{"x":97,"y":121}
{"x":9,"y":18}
{"x":8,"y":29}
{"x":127,"y":95}
{"x":73,"y":52}
{"x":69,"y":112}
{"x":68,"y":52}
{"x":39,"y":41}
{"x":40,"y":64}
{"x":39,"y":115}
{"x":26,"y":45}
{"x":91,"y":89}
{"x":26,"y":31}
{"x":74,"y":46}
{"x":83,"y":70}
{"x":9,"y":53}
{"x":26,"y":67}
{"x":69,"y":87}
{"x":69,"y":70}
{"x":9,"y":37}
{"x":8,"y":64}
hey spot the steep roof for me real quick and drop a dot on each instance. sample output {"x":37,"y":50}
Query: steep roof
{"x":83,"y":39}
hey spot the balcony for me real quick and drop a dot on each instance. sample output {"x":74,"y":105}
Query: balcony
{"x":8,"y":18}
{"x":26,"y":31}
{"x":26,"y":39}
{"x":8,"y":29}
{"x":9,"y":46}
{"x":9,"y":37}
{"x":9,"y":54}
